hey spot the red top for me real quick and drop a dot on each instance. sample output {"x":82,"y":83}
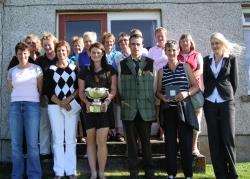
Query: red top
{"x":191,"y":59}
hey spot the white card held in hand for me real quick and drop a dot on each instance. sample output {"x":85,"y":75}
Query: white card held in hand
{"x":172,"y":93}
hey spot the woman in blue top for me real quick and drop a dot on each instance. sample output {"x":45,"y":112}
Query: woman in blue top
{"x":84,"y":57}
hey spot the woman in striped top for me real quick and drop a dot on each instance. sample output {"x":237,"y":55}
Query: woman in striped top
{"x":173,"y":87}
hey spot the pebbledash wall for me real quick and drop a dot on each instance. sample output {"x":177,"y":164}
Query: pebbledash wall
{"x":200,"y":17}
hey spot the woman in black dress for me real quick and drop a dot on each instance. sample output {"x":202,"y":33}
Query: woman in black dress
{"x":98,"y":74}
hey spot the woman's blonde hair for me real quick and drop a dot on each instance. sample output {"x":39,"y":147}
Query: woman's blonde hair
{"x":228,"y":47}
{"x":35,"y":39}
{"x":78,"y":40}
{"x":49,"y":36}
{"x":161,"y":29}
{"x":189,"y":37}
{"x":106,"y":35}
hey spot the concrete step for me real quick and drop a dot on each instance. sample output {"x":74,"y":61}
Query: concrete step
{"x":117,"y":159}
{"x":119,"y":163}
{"x":119,"y":148}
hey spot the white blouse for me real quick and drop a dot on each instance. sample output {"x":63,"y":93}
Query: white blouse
{"x":215,"y":96}
{"x":24,"y":83}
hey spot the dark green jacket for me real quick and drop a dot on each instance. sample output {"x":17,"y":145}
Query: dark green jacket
{"x":137,"y":90}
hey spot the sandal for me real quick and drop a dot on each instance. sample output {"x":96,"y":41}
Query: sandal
{"x":101,"y":175}
{"x":93,"y":176}
{"x":119,"y":137}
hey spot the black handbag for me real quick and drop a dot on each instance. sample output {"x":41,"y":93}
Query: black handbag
{"x":187,"y":113}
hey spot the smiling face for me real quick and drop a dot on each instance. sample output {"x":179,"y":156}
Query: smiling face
{"x":32,"y":45}
{"x":48,"y":46}
{"x":185,"y":45}
{"x":87,"y":42}
{"x":108,"y":44}
{"x":124,"y":42}
{"x":216,"y":46}
{"x":96,"y":54}
{"x":23,"y":56}
{"x":172,"y":51}
{"x":62,"y":53}
{"x":77,"y":48}
{"x":161,"y":38}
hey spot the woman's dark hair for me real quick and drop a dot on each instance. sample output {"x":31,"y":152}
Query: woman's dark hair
{"x":104,"y":63}
{"x":21,"y":46}
{"x":171,"y":44}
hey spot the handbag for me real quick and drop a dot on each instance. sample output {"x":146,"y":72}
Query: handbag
{"x":187,"y":114}
{"x":197,"y":99}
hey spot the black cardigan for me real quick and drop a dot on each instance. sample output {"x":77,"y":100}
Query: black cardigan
{"x":227,"y":80}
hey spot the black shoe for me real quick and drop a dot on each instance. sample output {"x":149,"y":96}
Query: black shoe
{"x":45,"y":156}
{"x":134,"y":175}
{"x":149,"y":175}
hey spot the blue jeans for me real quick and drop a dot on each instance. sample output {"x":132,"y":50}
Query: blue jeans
{"x":25,"y":116}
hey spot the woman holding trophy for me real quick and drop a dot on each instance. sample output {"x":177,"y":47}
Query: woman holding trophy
{"x":97,"y":87}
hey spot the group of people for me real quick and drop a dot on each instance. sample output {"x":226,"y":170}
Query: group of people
{"x":144,"y":87}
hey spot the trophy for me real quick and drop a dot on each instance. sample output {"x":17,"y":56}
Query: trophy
{"x":96,"y":94}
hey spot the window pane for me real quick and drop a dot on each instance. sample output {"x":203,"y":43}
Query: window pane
{"x":247,"y":45}
{"x":247,"y":17}
{"x":146,"y":26}
{"x":247,"y":54}
{"x":74,"y":28}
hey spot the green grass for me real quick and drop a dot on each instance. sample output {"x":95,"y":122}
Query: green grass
{"x":242,"y":168}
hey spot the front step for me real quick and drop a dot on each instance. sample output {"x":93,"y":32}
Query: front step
{"x":119,"y":148}
{"x":117,"y":159}
{"x":119,"y":163}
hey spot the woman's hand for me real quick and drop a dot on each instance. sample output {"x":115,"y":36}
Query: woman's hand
{"x":87,"y":104}
{"x":66,"y":101}
{"x":165,"y":100}
{"x":105,"y":104}
{"x":64,"y":105}
{"x":181,"y":95}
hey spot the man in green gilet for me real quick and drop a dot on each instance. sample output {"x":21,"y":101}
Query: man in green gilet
{"x":136,"y":87}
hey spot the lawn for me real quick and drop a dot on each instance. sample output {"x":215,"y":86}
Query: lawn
{"x":242,"y":168}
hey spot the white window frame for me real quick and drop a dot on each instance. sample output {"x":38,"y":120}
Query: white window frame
{"x":245,"y":11}
{"x":133,"y":15}
{"x":246,"y":26}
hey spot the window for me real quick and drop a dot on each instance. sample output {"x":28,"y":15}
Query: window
{"x":76,"y":24}
{"x":115,"y":22}
{"x":246,"y":31}
{"x":125,"y":21}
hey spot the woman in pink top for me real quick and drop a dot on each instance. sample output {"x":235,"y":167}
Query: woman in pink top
{"x":189,"y":55}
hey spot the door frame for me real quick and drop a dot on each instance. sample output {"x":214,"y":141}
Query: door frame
{"x":64,"y":17}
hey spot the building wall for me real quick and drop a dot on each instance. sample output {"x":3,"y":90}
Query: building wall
{"x":197,"y":17}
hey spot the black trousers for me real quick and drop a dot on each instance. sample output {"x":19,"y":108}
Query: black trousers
{"x":220,"y":118}
{"x":173,"y":127}
{"x":134,"y":129}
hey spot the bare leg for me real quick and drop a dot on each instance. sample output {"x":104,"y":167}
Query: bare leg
{"x":91,"y":151}
{"x":195,"y":149}
{"x":102,"y":151}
